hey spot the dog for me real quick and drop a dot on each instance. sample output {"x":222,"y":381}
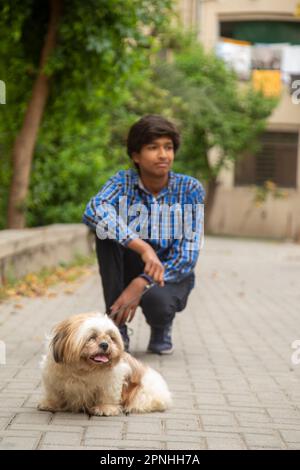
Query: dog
{"x":86,"y":369}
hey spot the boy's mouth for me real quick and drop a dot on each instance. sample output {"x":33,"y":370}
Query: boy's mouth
{"x":162,"y":164}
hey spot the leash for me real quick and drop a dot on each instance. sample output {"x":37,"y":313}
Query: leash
{"x":146,"y":289}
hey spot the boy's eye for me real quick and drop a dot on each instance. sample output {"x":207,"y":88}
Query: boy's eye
{"x":167,"y":147}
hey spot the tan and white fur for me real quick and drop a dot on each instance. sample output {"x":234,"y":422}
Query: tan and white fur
{"x":86,"y":369}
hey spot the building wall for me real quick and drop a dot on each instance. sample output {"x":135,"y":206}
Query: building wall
{"x":209,"y":12}
{"x":234,"y":211}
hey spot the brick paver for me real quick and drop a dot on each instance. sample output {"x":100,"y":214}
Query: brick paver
{"x":231,"y":375}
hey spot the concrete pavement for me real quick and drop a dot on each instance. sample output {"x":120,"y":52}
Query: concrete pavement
{"x":233,"y":381}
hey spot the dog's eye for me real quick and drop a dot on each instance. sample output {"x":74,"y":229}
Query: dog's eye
{"x":113,"y":338}
{"x":112,"y":335}
{"x":92,"y":337}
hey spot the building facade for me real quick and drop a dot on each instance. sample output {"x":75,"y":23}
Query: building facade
{"x":275,"y":169}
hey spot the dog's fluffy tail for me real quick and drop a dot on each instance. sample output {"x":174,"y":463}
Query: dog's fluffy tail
{"x":145,"y":389}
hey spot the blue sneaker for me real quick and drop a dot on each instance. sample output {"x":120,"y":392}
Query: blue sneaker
{"x":125,"y":337}
{"x":161,"y":340}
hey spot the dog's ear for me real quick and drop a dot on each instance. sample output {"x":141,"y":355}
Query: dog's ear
{"x":58,"y":345}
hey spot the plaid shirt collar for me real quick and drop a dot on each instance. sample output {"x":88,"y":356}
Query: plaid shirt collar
{"x":137,"y":182}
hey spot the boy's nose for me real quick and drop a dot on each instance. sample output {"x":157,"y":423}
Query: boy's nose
{"x":162,"y":152}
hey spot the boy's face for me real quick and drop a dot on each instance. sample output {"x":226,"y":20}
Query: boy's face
{"x":156,"y":158}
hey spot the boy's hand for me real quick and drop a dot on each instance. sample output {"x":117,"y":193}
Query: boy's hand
{"x":133,"y":291}
{"x":153,"y":266}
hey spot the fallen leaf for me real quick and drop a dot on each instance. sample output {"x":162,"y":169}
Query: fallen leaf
{"x":69,"y":291}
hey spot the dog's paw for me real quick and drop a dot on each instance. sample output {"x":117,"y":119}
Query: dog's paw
{"x":46,"y":406}
{"x":105,"y":410}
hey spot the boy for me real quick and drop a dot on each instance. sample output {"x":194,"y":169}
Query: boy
{"x":151,"y":248}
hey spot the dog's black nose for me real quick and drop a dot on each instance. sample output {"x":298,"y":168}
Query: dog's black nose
{"x":103,"y":345}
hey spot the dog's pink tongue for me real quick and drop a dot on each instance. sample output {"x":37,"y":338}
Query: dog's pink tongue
{"x":100,"y":358}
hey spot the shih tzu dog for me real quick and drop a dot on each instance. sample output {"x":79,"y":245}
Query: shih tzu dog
{"x":86,"y":369}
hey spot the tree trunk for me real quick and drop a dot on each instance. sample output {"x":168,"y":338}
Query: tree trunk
{"x":23,"y":148}
{"x":211,"y":191}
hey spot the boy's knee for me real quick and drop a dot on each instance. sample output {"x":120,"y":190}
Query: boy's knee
{"x":157,"y":299}
{"x":158,"y":307}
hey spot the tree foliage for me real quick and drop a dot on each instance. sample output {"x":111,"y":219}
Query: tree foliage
{"x":216,"y":111}
{"x":104,"y":47}
{"x":108,"y":69}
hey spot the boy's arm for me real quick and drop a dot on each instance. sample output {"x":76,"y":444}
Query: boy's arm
{"x":109,"y":193}
{"x":153,"y":266}
{"x":184,"y":252}
{"x":102,"y":213}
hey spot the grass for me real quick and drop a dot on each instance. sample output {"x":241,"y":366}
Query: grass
{"x":39,"y":284}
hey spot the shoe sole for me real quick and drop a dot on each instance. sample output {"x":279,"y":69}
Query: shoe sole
{"x":166,"y":352}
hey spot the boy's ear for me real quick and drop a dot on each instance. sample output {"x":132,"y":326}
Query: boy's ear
{"x":135,"y":157}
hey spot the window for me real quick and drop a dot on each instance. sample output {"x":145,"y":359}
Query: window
{"x":263,"y":31}
{"x":275,"y":161}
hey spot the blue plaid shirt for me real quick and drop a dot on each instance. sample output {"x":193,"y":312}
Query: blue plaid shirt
{"x":113,"y":214}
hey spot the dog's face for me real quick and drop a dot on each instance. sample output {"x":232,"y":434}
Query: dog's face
{"x":89,"y":340}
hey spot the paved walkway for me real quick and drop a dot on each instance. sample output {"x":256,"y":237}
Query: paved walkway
{"x":232,"y":377}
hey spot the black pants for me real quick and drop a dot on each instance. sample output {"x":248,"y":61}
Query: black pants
{"x":118,"y":266}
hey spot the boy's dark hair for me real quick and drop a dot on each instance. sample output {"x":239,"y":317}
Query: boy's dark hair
{"x":149,"y":128}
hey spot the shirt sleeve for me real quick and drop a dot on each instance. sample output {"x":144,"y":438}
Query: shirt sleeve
{"x":103,"y":213}
{"x":184,"y":252}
